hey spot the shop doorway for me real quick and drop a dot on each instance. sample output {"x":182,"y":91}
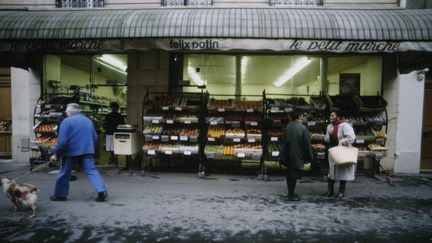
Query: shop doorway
{"x":5,"y":114}
{"x":426,"y":152}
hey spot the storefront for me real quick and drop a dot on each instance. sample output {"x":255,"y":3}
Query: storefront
{"x":244,"y":55}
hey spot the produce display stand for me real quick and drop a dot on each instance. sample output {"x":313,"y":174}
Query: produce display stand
{"x":46,"y":115}
{"x":233,"y":130}
{"x":277,"y":107}
{"x":172,"y":127}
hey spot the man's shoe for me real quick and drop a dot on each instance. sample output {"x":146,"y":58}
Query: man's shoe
{"x":340,"y":195}
{"x":102,"y":196}
{"x":294,"y":197}
{"x":58,"y":199}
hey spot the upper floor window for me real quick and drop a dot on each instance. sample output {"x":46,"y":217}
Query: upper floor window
{"x":186,"y":2}
{"x":79,"y":3}
{"x":296,"y":2}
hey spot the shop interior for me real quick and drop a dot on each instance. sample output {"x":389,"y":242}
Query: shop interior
{"x":94,"y":81}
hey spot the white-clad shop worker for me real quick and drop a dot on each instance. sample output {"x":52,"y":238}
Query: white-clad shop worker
{"x":112,"y":120}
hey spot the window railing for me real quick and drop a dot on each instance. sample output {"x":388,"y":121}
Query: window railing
{"x":296,"y":2}
{"x":186,"y":2}
{"x":79,"y":3}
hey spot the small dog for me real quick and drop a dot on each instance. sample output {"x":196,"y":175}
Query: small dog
{"x":20,"y":194}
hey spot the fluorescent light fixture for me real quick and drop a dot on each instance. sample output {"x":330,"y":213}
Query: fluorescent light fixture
{"x":244,"y":63}
{"x":194,"y":76}
{"x":299,"y":65}
{"x":113,"y":61}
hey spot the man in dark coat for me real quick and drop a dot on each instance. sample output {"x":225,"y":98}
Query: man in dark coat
{"x":112,"y":120}
{"x":295,"y":150}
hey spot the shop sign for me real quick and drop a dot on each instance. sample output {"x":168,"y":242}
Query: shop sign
{"x":185,"y":44}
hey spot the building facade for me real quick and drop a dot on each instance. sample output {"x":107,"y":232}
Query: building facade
{"x":390,"y":39}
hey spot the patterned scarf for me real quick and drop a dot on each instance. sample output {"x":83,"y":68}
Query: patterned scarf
{"x":334,"y":133}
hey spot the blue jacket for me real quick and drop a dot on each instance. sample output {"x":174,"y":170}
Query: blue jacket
{"x":77,"y":136}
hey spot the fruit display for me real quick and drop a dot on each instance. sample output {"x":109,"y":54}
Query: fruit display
{"x":379,"y":134}
{"x":151,"y":146}
{"x":170,"y":148}
{"x":251,"y":150}
{"x":171,"y":117}
{"x":278,"y":116}
{"x":163,"y":100}
{"x":228,"y":150}
{"x":253,"y":133}
{"x":220,"y":104}
{"x":153,"y":129}
{"x":47,"y":140}
{"x":218,"y":149}
{"x":274,"y":132}
{"x":235,"y":133}
{"x":233,"y":117}
{"x":169,"y":131}
{"x":46,"y":127}
{"x":273,"y":147}
{"x":193,"y":148}
{"x":374,"y":146}
{"x":152,"y":115}
{"x":216,"y":131}
{"x":189,"y":132}
{"x":187,"y":118}
{"x":317,"y":136}
{"x":252,"y":117}
{"x":319,"y":147}
{"x":246,"y":105}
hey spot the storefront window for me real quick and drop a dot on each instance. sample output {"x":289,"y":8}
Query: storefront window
{"x":293,"y":74}
{"x":354,"y":75}
{"x":79,"y":3}
{"x":97,"y":78}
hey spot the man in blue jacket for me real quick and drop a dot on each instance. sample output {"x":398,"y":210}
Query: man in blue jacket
{"x":76,"y":144}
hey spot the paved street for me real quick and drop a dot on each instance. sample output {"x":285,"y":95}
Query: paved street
{"x":178,"y":207}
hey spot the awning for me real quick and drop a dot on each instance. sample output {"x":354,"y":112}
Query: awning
{"x":220,"y":23}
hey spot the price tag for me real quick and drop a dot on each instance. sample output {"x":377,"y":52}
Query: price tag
{"x":221,"y":110}
{"x":210,"y":139}
{"x":235,"y":124}
{"x":213,"y":123}
{"x":178,"y":109}
{"x":155,"y":137}
{"x":193,"y":138}
{"x":288,"y":109}
{"x":155,"y":121}
{"x":165,"y":108}
{"x":360,"y":141}
{"x":151,"y":152}
{"x":183,"y":138}
{"x":254,"y":123}
{"x":164,"y":138}
{"x":187,"y":122}
{"x":275,"y":153}
{"x":241,"y":155}
{"x":210,"y":155}
{"x":174,"y":138}
{"x":168,"y":152}
{"x":274,"y":139}
{"x":249,"y":110}
{"x":187,"y":152}
{"x":251,"y":140}
{"x":170,"y":122}
{"x":236,"y":140}
{"x":312,"y":123}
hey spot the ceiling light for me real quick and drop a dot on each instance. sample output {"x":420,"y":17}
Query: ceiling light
{"x":114,"y":62}
{"x":299,"y":65}
{"x":194,"y":76}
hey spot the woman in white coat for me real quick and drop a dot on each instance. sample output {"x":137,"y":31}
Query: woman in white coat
{"x":339,"y":131}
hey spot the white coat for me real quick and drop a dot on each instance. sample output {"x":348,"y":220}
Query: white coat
{"x":346,"y":136}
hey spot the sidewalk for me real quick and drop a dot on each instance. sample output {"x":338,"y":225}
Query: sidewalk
{"x":173,"y":207}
